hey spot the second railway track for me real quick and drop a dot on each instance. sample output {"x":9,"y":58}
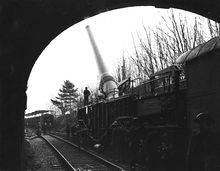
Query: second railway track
{"x":78,"y":159}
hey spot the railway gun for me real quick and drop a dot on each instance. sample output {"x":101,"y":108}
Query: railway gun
{"x":159,"y":108}
{"x":165,"y":106}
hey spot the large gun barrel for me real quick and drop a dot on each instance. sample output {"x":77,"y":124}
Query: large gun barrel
{"x":100,"y":63}
{"x":108,"y":85}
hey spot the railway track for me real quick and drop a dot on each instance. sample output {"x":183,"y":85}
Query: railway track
{"x":76,"y":158}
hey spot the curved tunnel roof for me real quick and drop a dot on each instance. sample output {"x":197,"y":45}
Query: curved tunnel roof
{"x":212,"y":44}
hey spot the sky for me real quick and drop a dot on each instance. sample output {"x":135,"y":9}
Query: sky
{"x":70,"y":55}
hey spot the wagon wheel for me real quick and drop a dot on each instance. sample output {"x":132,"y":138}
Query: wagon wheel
{"x":162,"y":149}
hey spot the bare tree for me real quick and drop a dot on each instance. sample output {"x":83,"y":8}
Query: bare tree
{"x":159,"y":47}
{"x":123,"y":70}
{"x":213,"y":27}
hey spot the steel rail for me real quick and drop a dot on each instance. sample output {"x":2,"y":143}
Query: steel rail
{"x":100,"y":159}
{"x":65,"y":161}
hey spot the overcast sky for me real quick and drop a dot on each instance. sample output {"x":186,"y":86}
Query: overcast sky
{"x":70,"y":55}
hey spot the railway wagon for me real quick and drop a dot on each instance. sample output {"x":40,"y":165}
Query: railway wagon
{"x":32,"y":121}
{"x":202,"y":67}
{"x":46,"y":119}
{"x":99,"y":116}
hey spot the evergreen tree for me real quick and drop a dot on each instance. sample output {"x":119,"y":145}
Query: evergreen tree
{"x":67,"y":97}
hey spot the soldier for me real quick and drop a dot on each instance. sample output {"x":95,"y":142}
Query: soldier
{"x":119,"y":137}
{"x":152,"y":85}
{"x":68,"y":131}
{"x":49,"y":127}
{"x":38,"y":129}
{"x":86,"y":96}
{"x":44,"y":126}
{"x":204,"y":152}
{"x":73,"y":130}
{"x":136,"y":131}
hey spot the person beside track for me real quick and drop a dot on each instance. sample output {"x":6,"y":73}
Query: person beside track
{"x":204,"y":149}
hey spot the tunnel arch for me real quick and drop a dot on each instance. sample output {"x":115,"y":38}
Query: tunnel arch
{"x":27,"y":27}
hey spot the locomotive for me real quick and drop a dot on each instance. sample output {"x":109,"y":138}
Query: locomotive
{"x":165,"y":105}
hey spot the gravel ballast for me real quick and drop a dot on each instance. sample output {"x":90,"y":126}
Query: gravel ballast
{"x":40,"y":157}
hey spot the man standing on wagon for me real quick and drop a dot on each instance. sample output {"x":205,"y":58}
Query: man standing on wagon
{"x":86,"y":96}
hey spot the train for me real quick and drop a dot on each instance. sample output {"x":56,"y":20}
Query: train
{"x":165,"y":105}
{"x":37,"y":120}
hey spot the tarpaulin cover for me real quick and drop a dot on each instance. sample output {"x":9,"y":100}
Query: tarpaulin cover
{"x":212,"y":44}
